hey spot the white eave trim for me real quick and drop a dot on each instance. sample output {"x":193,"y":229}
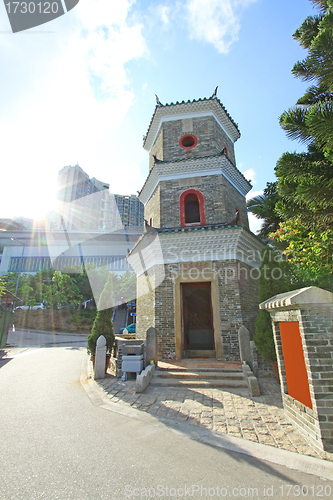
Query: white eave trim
{"x":186,"y":110}
{"x":220,"y":245}
{"x":187,"y":116}
{"x":155,"y":177}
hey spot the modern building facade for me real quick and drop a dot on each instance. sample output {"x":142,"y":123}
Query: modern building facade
{"x":91,"y":226}
{"x":82,"y":202}
{"x":131,"y":210}
{"x":87,"y":205}
{"x":30,"y":251}
{"x":199,"y":284}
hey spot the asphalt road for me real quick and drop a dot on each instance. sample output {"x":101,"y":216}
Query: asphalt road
{"x":57,"y":444}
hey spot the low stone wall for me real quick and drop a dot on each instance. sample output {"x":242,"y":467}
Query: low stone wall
{"x":305,"y":418}
{"x":303,"y":334}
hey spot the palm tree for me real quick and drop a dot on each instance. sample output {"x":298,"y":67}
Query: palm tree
{"x":263,"y":207}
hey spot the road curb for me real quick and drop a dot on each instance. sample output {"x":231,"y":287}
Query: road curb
{"x":301,"y":463}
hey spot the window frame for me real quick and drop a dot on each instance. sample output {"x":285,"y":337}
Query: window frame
{"x":200,"y":198}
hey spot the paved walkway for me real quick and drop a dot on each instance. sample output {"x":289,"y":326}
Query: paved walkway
{"x":233,"y":412}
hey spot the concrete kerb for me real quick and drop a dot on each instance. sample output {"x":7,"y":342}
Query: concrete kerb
{"x":271,"y":454}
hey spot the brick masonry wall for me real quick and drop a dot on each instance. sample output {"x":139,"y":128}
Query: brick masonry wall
{"x":157,"y":149}
{"x":145,"y":307}
{"x":238,"y":305}
{"x":165,"y":315}
{"x":238,"y":300}
{"x":153,"y":208}
{"x":316,"y":330}
{"x":305,"y":419}
{"x":211,"y":139}
{"x":220,"y":199}
{"x":223,"y":140}
{"x":248,"y":279}
{"x":234,"y":199}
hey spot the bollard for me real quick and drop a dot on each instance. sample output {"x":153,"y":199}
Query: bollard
{"x":245,"y":346}
{"x":100,"y":357}
{"x":151,"y":346}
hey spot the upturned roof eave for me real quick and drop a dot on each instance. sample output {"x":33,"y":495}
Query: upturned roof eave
{"x":147,"y":143}
{"x":193,"y":159}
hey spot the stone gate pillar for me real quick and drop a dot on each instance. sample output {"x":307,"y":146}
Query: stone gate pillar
{"x":302,"y":323}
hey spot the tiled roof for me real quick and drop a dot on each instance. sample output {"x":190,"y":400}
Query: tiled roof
{"x":162,"y":110}
{"x":204,"y":164}
{"x":205,"y":227}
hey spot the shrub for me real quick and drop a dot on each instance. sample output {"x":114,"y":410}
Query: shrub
{"x":263,"y":337}
{"x":103,"y":322}
{"x":102,"y":326}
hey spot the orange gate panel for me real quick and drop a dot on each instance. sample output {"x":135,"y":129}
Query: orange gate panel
{"x":296,"y":373}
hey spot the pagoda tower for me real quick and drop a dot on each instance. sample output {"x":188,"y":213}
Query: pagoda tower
{"x":198,"y":262}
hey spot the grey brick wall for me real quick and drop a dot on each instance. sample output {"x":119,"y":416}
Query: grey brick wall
{"x":220,"y":199}
{"x":157,"y":149}
{"x":316,"y":330}
{"x":238,"y":305}
{"x":153,"y":208}
{"x":238,"y":301}
{"x":211,"y":139}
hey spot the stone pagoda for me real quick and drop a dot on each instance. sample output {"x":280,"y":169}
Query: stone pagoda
{"x":198,"y":262}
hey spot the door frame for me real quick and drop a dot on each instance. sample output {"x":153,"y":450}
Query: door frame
{"x":208,"y":276}
{"x":201,"y":284}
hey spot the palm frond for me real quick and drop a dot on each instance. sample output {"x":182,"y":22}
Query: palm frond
{"x":293,"y":122}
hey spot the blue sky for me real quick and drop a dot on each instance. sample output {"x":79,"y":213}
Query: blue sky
{"x":82,"y":88}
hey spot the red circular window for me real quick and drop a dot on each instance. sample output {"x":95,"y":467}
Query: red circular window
{"x":188,"y":141}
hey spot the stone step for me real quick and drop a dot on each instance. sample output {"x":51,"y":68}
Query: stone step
{"x":199,"y":374}
{"x":198,"y":378}
{"x":198,"y":383}
{"x":201,"y":369}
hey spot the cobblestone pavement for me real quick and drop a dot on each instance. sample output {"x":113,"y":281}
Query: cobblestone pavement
{"x":234,"y":412}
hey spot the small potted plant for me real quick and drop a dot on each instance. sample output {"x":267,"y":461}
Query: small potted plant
{"x":103,"y":324}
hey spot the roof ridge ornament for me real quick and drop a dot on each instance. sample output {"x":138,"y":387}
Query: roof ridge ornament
{"x":158,"y":102}
{"x":214,"y":94}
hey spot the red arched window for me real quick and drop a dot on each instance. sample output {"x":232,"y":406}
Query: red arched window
{"x":192,"y":209}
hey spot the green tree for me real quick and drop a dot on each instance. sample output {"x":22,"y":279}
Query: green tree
{"x":311,"y":120}
{"x":103,"y":322}
{"x":276,"y":276}
{"x":81,"y":279}
{"x":2,"y":286}
{"x":127,"y":285}
{"x":62,"y":291}
{"x":24,"y":291}
{"x":310,"y":251}
{"x":305,"y":180}
{"x":263,"y":207}
{"x":305,"y":186}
